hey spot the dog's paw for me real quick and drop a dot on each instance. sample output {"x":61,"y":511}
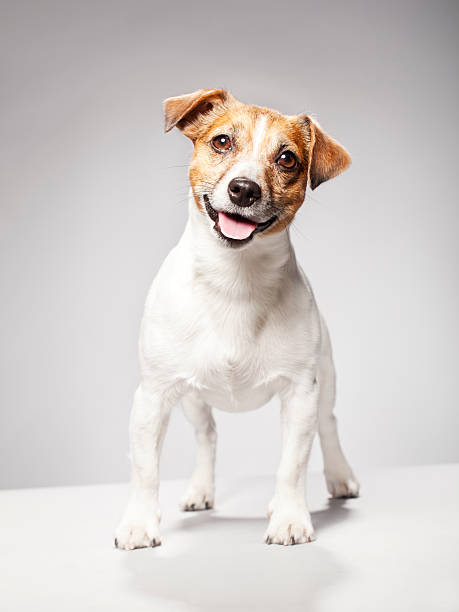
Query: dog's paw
{"x":197,"y":498}
{"x":139,"y":529}
{"x":289,"y":526}
{"x":342,"y":485}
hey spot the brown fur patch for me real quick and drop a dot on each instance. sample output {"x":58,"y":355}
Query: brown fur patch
{"x":328,"y":157}
{"x":186,"y":112}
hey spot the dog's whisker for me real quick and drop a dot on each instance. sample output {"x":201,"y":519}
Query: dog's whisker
{"x":177,"y":166}
{"x":299,"y":231}
{"x":312,"y":198}
{"x":182,"y":201}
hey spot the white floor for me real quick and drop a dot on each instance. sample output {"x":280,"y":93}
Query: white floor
{"x":394,"y":549}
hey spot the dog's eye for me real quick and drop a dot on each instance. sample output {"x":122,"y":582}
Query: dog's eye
{"x":222,"y":142}
{"x":287,"y":160}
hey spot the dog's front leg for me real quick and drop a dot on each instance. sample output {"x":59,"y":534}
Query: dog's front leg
{"x":290,"y":521}
{"x":139,"y":526}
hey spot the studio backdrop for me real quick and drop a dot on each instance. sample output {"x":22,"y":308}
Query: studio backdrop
{"x":94,"y":195}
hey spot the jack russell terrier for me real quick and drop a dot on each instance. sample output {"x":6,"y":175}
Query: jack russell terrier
{"x":231,"y":320}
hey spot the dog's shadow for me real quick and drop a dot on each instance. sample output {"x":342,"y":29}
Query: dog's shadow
{"x":222,"y":564}
{"x":335,"y":512}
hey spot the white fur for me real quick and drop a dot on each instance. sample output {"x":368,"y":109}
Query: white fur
{"x":229,"y":329}
{"x":258,"y":136}
{"x":250,"y":165}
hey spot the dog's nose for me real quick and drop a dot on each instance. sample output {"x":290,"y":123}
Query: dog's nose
{"x":243,"y":191}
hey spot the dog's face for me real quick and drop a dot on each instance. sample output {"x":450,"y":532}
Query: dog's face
{"x":250,"y":165}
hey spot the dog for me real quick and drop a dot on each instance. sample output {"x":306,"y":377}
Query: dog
{"x":231,"y":320}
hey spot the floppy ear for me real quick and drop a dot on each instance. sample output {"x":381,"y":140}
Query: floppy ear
{"x":327,"y":157}
{"x":187,"y":111}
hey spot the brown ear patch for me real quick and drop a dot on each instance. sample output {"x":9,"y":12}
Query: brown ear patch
{"x":327,"y":158}
{"x":185,"y":112}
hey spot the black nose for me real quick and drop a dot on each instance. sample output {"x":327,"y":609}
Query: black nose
{"x":243,"y":191}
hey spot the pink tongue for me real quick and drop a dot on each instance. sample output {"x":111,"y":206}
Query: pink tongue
{"x":234,"y":228}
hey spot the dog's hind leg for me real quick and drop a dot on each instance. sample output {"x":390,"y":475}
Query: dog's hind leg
{"x":341,"y":481}
{"x":200,"y":492}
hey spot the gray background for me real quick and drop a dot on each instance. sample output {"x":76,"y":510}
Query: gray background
{"x":93,"y":195}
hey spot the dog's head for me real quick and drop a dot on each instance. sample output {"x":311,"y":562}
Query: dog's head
{"x":251,"y":165}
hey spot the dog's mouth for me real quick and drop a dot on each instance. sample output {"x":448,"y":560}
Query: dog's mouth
{"x":235,"y":228}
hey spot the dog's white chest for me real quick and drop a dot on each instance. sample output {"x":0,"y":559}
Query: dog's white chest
{"x":234,"y":397}
{"x":232,"y":374}
{"x":235,"y":337}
